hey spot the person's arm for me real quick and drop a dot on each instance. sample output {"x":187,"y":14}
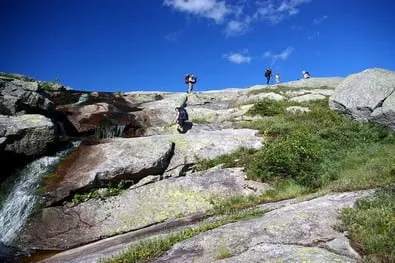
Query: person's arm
{"x":175,"y":121}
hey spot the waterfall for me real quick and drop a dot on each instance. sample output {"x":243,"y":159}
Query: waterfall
{"x":109,"y":131}
{"x":18,"y":205}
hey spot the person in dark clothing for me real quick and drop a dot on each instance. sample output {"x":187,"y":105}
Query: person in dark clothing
{"x":268,"y":75}
{"x":181,"y":118}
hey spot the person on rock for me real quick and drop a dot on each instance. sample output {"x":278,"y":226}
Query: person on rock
{"x":306,"y":74}
{"x":181,"y":118}
{"x":190,"y":80}
{"x":268,"y":75}
{"x":277,"y":78}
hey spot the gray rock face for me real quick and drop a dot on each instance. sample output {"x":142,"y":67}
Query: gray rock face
{"x":28,"y":134}
{"x":117,"y":159}
{"x":299,"y":232}
{"x":368,"y":95}
{"x":203,"y":144}
{"x":18,"y":97}
{"x":308,"y":97}
{"x":134,"y":209}
{"x":315,"y":83}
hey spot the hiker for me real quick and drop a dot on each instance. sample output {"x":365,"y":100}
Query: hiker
{"x":306,"y":74}
{"x":277,"y":78}
{"x":190,"y":80}
{"x":268,"y":75}
{"x":181,"y":118}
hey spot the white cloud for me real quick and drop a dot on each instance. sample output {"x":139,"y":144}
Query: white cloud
{"x":213,"y":9}
{"x":238,"y":15}
{"x":319,"y":20}
{"x":235,"y":27}
{"x":283,"y":55}
{"x":237,"y":58}
{"x":291,"y":6}
{"x":314,"y":35}
{"x":173,"y":36}
{"x":275,"y":11}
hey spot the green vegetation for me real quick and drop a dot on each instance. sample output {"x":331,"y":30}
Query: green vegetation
{"x":223,"y":252}
{"x":371,"y":225}
{"x":267,"y":107}
{"x":15,"y":76}
{"x":50,"y":85}
{"x":151,"y":248}
{"x":318,"y":152}
{"x":280,"y":89}
{"x":199,"y":121}
{"x":236,"y":159}
{"x":112,"y":190}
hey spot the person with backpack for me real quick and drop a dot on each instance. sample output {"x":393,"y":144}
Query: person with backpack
{"x":277,"y":78}
{"x":181,"y":118}
{"x":268,"y":75}
{"x":190,"y":80}
{"x":306,"y":74}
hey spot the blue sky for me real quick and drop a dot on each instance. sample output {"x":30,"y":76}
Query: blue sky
{"x":134,"y":45}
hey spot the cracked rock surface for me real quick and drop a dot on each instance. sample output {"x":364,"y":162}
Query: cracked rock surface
{"x":298,"y":232}
{"x":368,"y":95}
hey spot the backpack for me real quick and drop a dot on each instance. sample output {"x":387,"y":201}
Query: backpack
{"x":268,"y":73}
{"x":183,"y":114}
{"x":193,"y":79}
{"x":187,"y":79}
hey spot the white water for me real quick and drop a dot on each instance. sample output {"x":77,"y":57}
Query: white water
{"x":21,"y":200}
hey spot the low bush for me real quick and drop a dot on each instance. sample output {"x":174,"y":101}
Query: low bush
{"x":267,"y":107}
{"x":296,"y":157}
{"x":371,"y":225}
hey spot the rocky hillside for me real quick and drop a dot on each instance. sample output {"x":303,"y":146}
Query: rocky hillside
{"x":130,"y":176}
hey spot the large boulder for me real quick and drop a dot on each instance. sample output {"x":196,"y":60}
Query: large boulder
{"x":115,"y":160}
{"x":19,"y":97}
{"x":311,"y":83}
{"x":134,"y":209}
{"x":296,"y":232}
{"x":368,"y":95}
{"x":23,"y":138}
{"x":102,"y":114}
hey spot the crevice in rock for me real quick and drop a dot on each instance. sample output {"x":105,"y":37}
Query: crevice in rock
{"x":319,"y":243}
{"x":380,"y":104}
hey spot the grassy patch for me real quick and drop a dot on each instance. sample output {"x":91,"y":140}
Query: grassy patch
{"x":111,"y":190}
{"x":371,"y":225}
{"x":267,"y":107}
{"x":281,"y":89}
{"x":199,"y":121}
{"x":149,"y":249}
{"x":240,"y":158}
{"x":223,"y":252}
{"x":16,"y":76}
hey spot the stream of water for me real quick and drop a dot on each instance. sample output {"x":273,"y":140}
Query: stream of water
{"x":22,"y":199}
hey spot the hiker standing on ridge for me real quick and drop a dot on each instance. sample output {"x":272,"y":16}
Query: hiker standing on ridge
{"x":306,"y":75}
{"x":277,"y":78}
{"x":190,"y":80}
{"x":268,"y":75}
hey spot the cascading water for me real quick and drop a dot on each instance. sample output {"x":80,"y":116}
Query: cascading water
{"x":21,"y":200}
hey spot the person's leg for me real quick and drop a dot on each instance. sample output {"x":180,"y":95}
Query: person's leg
{"x":190,"y":86}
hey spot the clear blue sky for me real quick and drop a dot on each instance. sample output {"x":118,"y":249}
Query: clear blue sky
{"x":130,"y":45}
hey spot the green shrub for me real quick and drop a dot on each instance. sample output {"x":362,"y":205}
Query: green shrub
{"x":371,"y":225}
{"x":239,"y":158}
{"x":267,"y":107}
{"x":295,"y":157}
